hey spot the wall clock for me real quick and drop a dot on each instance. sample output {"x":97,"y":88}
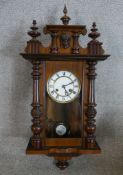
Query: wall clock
{"x":63,"y":107}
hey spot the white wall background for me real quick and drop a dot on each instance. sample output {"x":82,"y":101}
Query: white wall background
{"x":16,"y":84}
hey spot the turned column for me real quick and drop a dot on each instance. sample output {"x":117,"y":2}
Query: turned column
{"x":36,"y":113}
{"x":54,"y":47}
{"x":94,"y":49}
{"x":91,"y":111}
{"x":75,"y":49}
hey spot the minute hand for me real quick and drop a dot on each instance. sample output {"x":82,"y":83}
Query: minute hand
{"x":68,"y":83}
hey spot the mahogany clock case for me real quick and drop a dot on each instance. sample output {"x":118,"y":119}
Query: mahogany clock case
{"x":78,"y":117}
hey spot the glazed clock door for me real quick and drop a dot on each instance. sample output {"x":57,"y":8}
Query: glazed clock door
{"x":64,"y":93}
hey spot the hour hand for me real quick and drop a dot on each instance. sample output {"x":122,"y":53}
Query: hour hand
{"x":66,"y":92}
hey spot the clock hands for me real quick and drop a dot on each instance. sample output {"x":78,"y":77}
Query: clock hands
{"x":68,"y":83}
{"x":66,"y":92}
{"x":70,"y":90}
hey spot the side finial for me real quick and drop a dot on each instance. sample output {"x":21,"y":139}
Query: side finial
{"x":34,"y":33}
{"x":65,"y":19}
{"x":94,"y":46}
{"x":94,"y":34}
{"x":33,"y":45}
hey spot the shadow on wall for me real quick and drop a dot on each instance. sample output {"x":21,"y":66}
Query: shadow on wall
{"x":106,"y":126}
{"x":21,"y":85}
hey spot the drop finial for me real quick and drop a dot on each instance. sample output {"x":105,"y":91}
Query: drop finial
{"x":65,"y":19}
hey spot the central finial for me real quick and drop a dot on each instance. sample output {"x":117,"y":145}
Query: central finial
{"x":65,"y":19}
{"x":65,"y":9}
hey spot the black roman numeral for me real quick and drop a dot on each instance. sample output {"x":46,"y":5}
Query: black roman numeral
{"x":74,"y":80}
{"x":52,"y":92}
{"x":58,"y":75}
{"x":63,"y":73}
{"x":50,"y":86}
{"x":57,"y":96}
{"x":76,"y":86}
{"x":63,"y":98}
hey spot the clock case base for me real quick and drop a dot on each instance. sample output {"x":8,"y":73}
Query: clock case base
{"x":62,"y":154}
{"x":64,"y":150}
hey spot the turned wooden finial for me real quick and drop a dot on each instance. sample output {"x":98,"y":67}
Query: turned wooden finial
{"x":94,"y":46}
{"x":65,"y":19}
{"x":94,"y":34}
{"x":34,"y":34}
{"x":65,"y":9}
{"x":33,"y":45}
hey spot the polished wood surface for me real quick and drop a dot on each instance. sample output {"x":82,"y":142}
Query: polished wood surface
{"x":70,"y":113}
{"x":63,"y":151}
{"x":36,"y":110}
{"x":91,"y":111}
{"x":58,"y":142}
{"x":64,"y":57}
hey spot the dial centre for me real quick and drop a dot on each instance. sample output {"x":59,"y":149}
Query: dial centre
{"x":60,"y":85}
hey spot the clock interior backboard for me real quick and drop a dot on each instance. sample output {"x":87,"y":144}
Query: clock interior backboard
{"x":71,"y":114}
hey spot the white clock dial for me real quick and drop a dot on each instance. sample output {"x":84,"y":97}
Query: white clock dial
{"x":63,"y":87}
